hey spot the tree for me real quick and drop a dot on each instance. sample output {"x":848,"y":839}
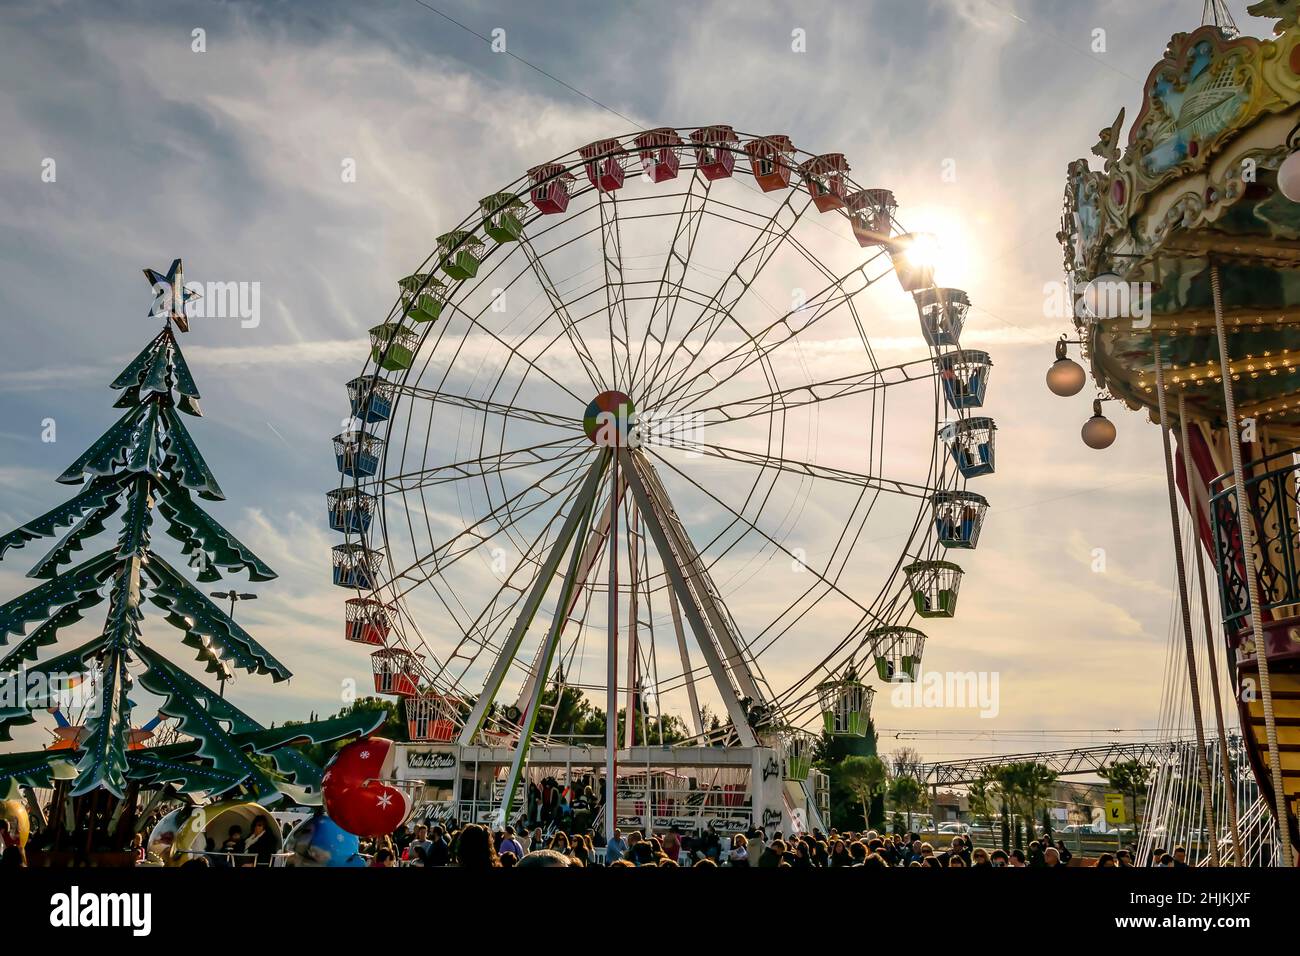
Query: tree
{"x":907,"y":795}
{"x":864,"y":777}
{"x":1008,"y":782}
{"x":1038,"y":781}
{"x":1129,"y":777}
{"x":981,"y":796}
{"x":148,"y":462}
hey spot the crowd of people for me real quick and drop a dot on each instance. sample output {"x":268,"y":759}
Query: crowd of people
{"x":472,"y":846}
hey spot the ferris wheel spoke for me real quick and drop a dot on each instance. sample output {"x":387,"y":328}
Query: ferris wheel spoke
{"x":758,"y":348}
{"x":501,"y":518}
{"x":673,"y":278}
{"x":829,"y":583}
{"x":560,"y":309}
{"x":793,"y":466}
{"x":615,"y":291}
{"x":737,"y":282}
{"x":811,"y":393}
{"x":514,"y":350}
{"x":491,"y":464}
{"x":489,"y":407}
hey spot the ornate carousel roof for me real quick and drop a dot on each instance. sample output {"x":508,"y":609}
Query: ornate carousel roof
{"x":1197,"y":182}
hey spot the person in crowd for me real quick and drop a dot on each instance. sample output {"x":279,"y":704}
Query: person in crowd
{"x":543,"y":858}
{"x":261,"y":843}
{"x":615,"y":847}
{"x":672,"y":843}
{"x":509,"y":844}
{"x":1180,"y":856}
{"x":474,"y":850}
{"x":234,"y":841}
{"x":1106,"y":860}
{"x":1123,"y":858}
{"x":999,"y":858}
{"x":1052,"y":858}
{"x":739,"y":855}
{"x":384,"y":858}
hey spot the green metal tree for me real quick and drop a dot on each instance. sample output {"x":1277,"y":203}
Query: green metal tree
{"x":145,"y":463}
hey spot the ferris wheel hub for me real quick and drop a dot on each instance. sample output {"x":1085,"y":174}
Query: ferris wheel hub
{"x":610,"y":420}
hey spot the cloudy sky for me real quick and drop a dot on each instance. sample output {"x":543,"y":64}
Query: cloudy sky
{"x":968,"y":109}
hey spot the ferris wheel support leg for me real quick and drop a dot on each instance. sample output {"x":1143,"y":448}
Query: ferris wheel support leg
{"x":687,"y":671}
{"x":510,"y":648}
{"x":571,"y":583}
{"x":694,"y":615}
{"x":1194,"y":495}
{"x":1184,"y":606}
{"x":1252,"y":583}
{"x":611,"y":682}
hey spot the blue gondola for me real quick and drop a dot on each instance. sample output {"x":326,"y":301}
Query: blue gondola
{"x":350,"y":510}
{"x":356,"y":566}
{"x":958,"y":517}
{"x":965,"y":377}
{"x":942,"y":313}
{"x":970,"y":442}
{"x":370,"y":398}
{"x":357,"y":453}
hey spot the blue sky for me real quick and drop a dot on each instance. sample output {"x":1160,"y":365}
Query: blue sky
{"x":231,"y":159}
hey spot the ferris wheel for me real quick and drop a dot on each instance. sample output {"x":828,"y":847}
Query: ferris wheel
{"x":637,"y":429}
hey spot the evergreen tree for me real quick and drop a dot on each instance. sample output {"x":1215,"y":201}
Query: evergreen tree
{"x":147,"y":462}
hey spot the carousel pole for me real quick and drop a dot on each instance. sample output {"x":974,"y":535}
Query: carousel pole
{"x":611,"y":677}
{"x":1252,"y":583}
{"x":1193,"y":499}
{"x":1202,"y":762}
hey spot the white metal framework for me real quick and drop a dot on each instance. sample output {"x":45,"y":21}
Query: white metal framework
{"x":624,"y":438}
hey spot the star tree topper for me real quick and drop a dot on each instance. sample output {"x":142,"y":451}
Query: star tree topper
{"x":172,"y":295}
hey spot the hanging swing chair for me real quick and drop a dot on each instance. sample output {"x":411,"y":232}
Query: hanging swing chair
{"x":958,"y":517}
{"x":459,"y":253}
{"x":393,"y":346}
{"x":422,"y":297}
{"x":431,"y":717}
{"x":942,"y":313}
{"x":897,"y":652}
{"x":356,"y":566}
{"x":970,"y":442}
{"x":845,"y":706}
{"x":397,"y":672}
{"x":501,"y":220}
{"x":357,"y":453}
{"x":371,"y":398}
{"x":934,"y":587}
{"x":965,"y":377}
{"x":350,"y":510}
{"x":800,"y":748}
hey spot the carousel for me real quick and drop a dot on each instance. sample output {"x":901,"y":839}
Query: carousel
{"x":1182,"y":241}
{"x":578,"y":480}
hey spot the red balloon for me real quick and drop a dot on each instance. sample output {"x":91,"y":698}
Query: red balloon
{"x":357,"y":796}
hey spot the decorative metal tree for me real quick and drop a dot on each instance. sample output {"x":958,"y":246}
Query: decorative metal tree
{"x":147,"y":461}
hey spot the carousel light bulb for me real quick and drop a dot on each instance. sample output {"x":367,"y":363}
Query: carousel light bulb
{"x":1099,"y":431}
{"x":1288,"y":177}
{"x":1066,"y":376}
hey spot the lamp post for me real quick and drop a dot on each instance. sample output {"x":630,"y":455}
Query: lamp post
{"x":234,"y":597}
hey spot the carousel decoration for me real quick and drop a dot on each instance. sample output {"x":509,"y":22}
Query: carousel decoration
{"x":524,"y":508}
{"x":1180,"y":246}
{"x":146,"y":471}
